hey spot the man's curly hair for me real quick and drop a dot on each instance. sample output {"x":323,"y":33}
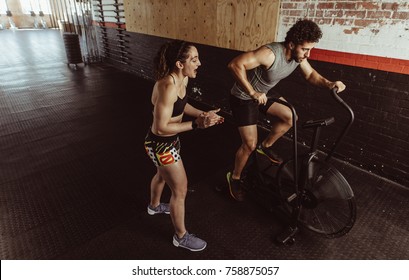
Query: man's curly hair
{"x":303,"y":31}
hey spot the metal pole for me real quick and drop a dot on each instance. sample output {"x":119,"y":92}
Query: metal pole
{"x":10,"y":16}
{"x":68,"y":16}
{"x":53,"y":20}
{"x":60,"y":17}
{"x":81,"y":30}
{"x":41,"y":15}
{"x":91,"y":31}
{"x":34,"y":15}
{"x":85,"y":32}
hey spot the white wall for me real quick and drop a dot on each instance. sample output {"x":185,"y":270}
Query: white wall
{"x":378,"y":28}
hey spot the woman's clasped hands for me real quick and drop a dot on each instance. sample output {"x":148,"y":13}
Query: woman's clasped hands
{"x":209,"y":118}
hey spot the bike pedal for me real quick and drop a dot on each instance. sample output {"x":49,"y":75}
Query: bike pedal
{"x":291,"y":197}
{"x":287,"y":237}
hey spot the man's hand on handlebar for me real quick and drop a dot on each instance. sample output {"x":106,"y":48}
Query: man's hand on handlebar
{"x":338,"y":84}
{"x":260,"y":97}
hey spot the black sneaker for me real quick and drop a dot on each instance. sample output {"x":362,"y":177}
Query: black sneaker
{"x":273,"y":157}
{"x":235,"y":188}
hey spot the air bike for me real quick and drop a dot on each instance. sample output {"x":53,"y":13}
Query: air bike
{"x":309,"y":191}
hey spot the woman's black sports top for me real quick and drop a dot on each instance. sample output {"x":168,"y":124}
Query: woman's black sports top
{"x":179,"y":105}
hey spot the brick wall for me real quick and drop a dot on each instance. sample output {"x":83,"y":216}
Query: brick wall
{"x":366,"y":45}
{"x":377,"y":27}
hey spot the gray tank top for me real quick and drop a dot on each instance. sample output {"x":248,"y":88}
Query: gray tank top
{"x":263,"y":79}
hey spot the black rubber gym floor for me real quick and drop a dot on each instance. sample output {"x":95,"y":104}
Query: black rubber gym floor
{"x":74,"y":177}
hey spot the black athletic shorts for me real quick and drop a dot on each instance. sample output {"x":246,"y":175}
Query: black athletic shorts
{"x":163,"y":150}
{"x":246,"y":112}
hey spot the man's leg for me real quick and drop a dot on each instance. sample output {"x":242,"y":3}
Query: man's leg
{"x":249,"y":143}
{"x":279,"y":128}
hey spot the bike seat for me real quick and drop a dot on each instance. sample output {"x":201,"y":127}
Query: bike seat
{"x":318,"y":123}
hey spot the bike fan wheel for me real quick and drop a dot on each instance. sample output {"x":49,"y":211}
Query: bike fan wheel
{"x":327,"y":200}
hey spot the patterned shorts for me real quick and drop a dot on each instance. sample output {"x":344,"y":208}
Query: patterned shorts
{"x":162,"y":150}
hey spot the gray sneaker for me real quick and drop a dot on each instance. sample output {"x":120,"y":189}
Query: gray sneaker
{"x":160,"y":209}
{"x":190,"y":242}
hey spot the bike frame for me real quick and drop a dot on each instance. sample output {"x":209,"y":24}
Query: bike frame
{"x":335,"y":95}
{"x":307,"y":159}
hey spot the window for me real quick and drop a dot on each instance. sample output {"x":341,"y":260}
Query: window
{"x":35,"y":5}
{"x":3,"y":7}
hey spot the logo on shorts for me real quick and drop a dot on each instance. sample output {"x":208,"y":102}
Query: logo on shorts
{"x":166,"y":158}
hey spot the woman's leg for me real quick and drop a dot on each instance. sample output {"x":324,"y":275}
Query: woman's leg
{"x":157,"y":186}
{"x":175,"y":176}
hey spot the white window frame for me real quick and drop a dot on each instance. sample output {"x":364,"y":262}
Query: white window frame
{"x":33,"y":5}
{"x":3,"y":7}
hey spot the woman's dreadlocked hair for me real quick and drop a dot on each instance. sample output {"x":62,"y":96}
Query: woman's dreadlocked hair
{"x":303,"y":31}
{"x":168,"y":55}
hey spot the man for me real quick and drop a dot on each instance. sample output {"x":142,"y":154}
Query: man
{"x":258,"y":71}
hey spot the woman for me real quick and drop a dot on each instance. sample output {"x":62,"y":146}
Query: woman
{"x":175,"y":63}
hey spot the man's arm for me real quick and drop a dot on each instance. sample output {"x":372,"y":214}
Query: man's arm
{"x":314,"y":78}
{"x":263,"y":56}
